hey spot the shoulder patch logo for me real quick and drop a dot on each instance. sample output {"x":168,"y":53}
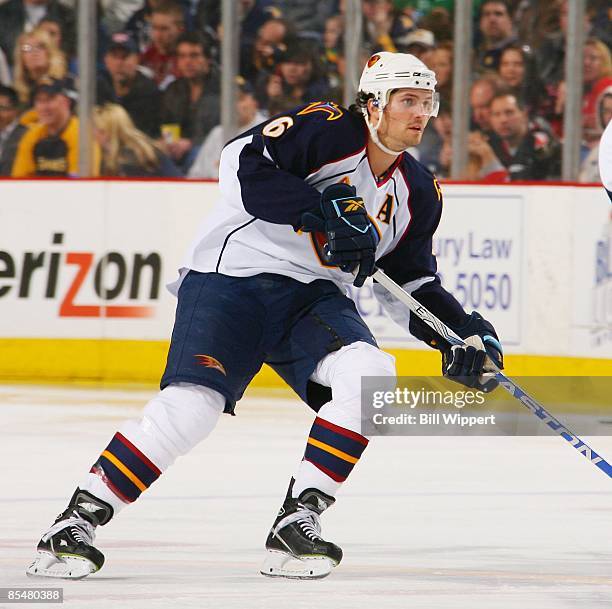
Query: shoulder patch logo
{"x":210,"y":362}
{"x":332,"y":110}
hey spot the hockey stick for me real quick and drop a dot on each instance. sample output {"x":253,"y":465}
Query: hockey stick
{"x":508,"y":384}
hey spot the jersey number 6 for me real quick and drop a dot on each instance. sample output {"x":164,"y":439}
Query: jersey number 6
{"x":278,"y":126}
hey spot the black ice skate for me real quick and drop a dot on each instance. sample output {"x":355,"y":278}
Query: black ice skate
{"x":65,"y":550}
{"x":294,"y":545}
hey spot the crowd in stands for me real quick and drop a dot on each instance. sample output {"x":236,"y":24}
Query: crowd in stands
{"x":158,"y":84}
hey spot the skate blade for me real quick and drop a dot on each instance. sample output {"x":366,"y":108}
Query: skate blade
{"x":66,"y":567}
{"x":279,"y":564}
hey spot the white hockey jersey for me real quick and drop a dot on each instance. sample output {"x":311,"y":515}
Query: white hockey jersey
{"x":270,"y":175}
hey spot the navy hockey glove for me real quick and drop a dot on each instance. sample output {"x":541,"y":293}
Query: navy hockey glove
{"x":473,"y":365}
{"x":351,"y":237}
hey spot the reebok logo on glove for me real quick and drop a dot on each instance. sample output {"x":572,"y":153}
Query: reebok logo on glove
{"x":351,"y":237}
{"x":353,"y":205}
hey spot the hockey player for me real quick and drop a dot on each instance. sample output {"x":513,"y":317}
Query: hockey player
{"x":310,"y":201}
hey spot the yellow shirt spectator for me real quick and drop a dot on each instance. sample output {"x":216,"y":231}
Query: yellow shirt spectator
{"x":43,"y":154}
{"x":51,"y":147}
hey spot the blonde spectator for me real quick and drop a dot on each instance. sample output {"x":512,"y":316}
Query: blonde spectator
{"x":127,"y":151}
{"x":597,"y":77}
{"x":36,"y":57}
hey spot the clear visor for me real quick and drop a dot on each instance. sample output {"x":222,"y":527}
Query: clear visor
{"x":427,"y":106}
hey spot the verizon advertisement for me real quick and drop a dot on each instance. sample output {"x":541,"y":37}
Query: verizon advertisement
{"x":91,"y":260}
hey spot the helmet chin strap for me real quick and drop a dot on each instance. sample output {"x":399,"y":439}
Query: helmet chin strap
{"x":374,"y":133}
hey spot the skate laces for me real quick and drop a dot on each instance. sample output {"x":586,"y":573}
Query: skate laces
{"x":81,"y":530}
{"x":307,"y":520}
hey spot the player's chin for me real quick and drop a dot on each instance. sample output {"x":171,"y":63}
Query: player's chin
{"x":414,"y":137}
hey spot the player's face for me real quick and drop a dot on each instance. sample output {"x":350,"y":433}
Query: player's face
{"x":246,"y":107}
{"x":507,"y":119}
{"x":512,"y":68}
{"x":51,"y":108}
{"x":296,"y":72}
{"x":480,"y":101}
{"x":495,"y":21}
{"x":405,"y":118}
{"x":442,"y":65}
{"x":592,"y":63}
{"x":164,"y":31}
{"x":121,"y":64}
{"x":35,"y":54}
{"x":191,"y":61}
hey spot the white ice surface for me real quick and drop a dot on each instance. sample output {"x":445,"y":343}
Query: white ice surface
{"x":432,"y":523}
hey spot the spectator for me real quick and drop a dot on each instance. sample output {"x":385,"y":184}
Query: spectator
{"x":483,"y":164}
{"x":420,"y":43}
{"x":496,"y":33}
{"x":439,"y":22}
{"x":139,"y":24}
{"x":600,"y":21}
{"x":597,"y":78}
{"x":382,"y":26}
{"x":248,"y":114}
{"x":123,"y":83}
{"x":262,"y":56}
{"x":481,"y":94}
{"x":536,"y":20}
{"x":307,"y":17}
{"x":36,"y":58}
{"x":589,"y":169}
{"x":297,"y":80}
{"x":435,"y":148}
{"x":11,"y":131}
{"x":50,"y":148}
{"x":441,"y":63}
{"x":117,"y":13}
{"x":205,"y":18}
{"x":333,"y":50}
{"x":550,"y":56}
{"x":254,"y":13}
{"x":192,"y":101}
{"x":517,"y":75}
{"x":550,"y":62}
{"x":167,"y":24}
{"x":127,"y":151}
{"x":18,"y":16}
{"x":523,"y":148}
{"x":53,"y":27}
